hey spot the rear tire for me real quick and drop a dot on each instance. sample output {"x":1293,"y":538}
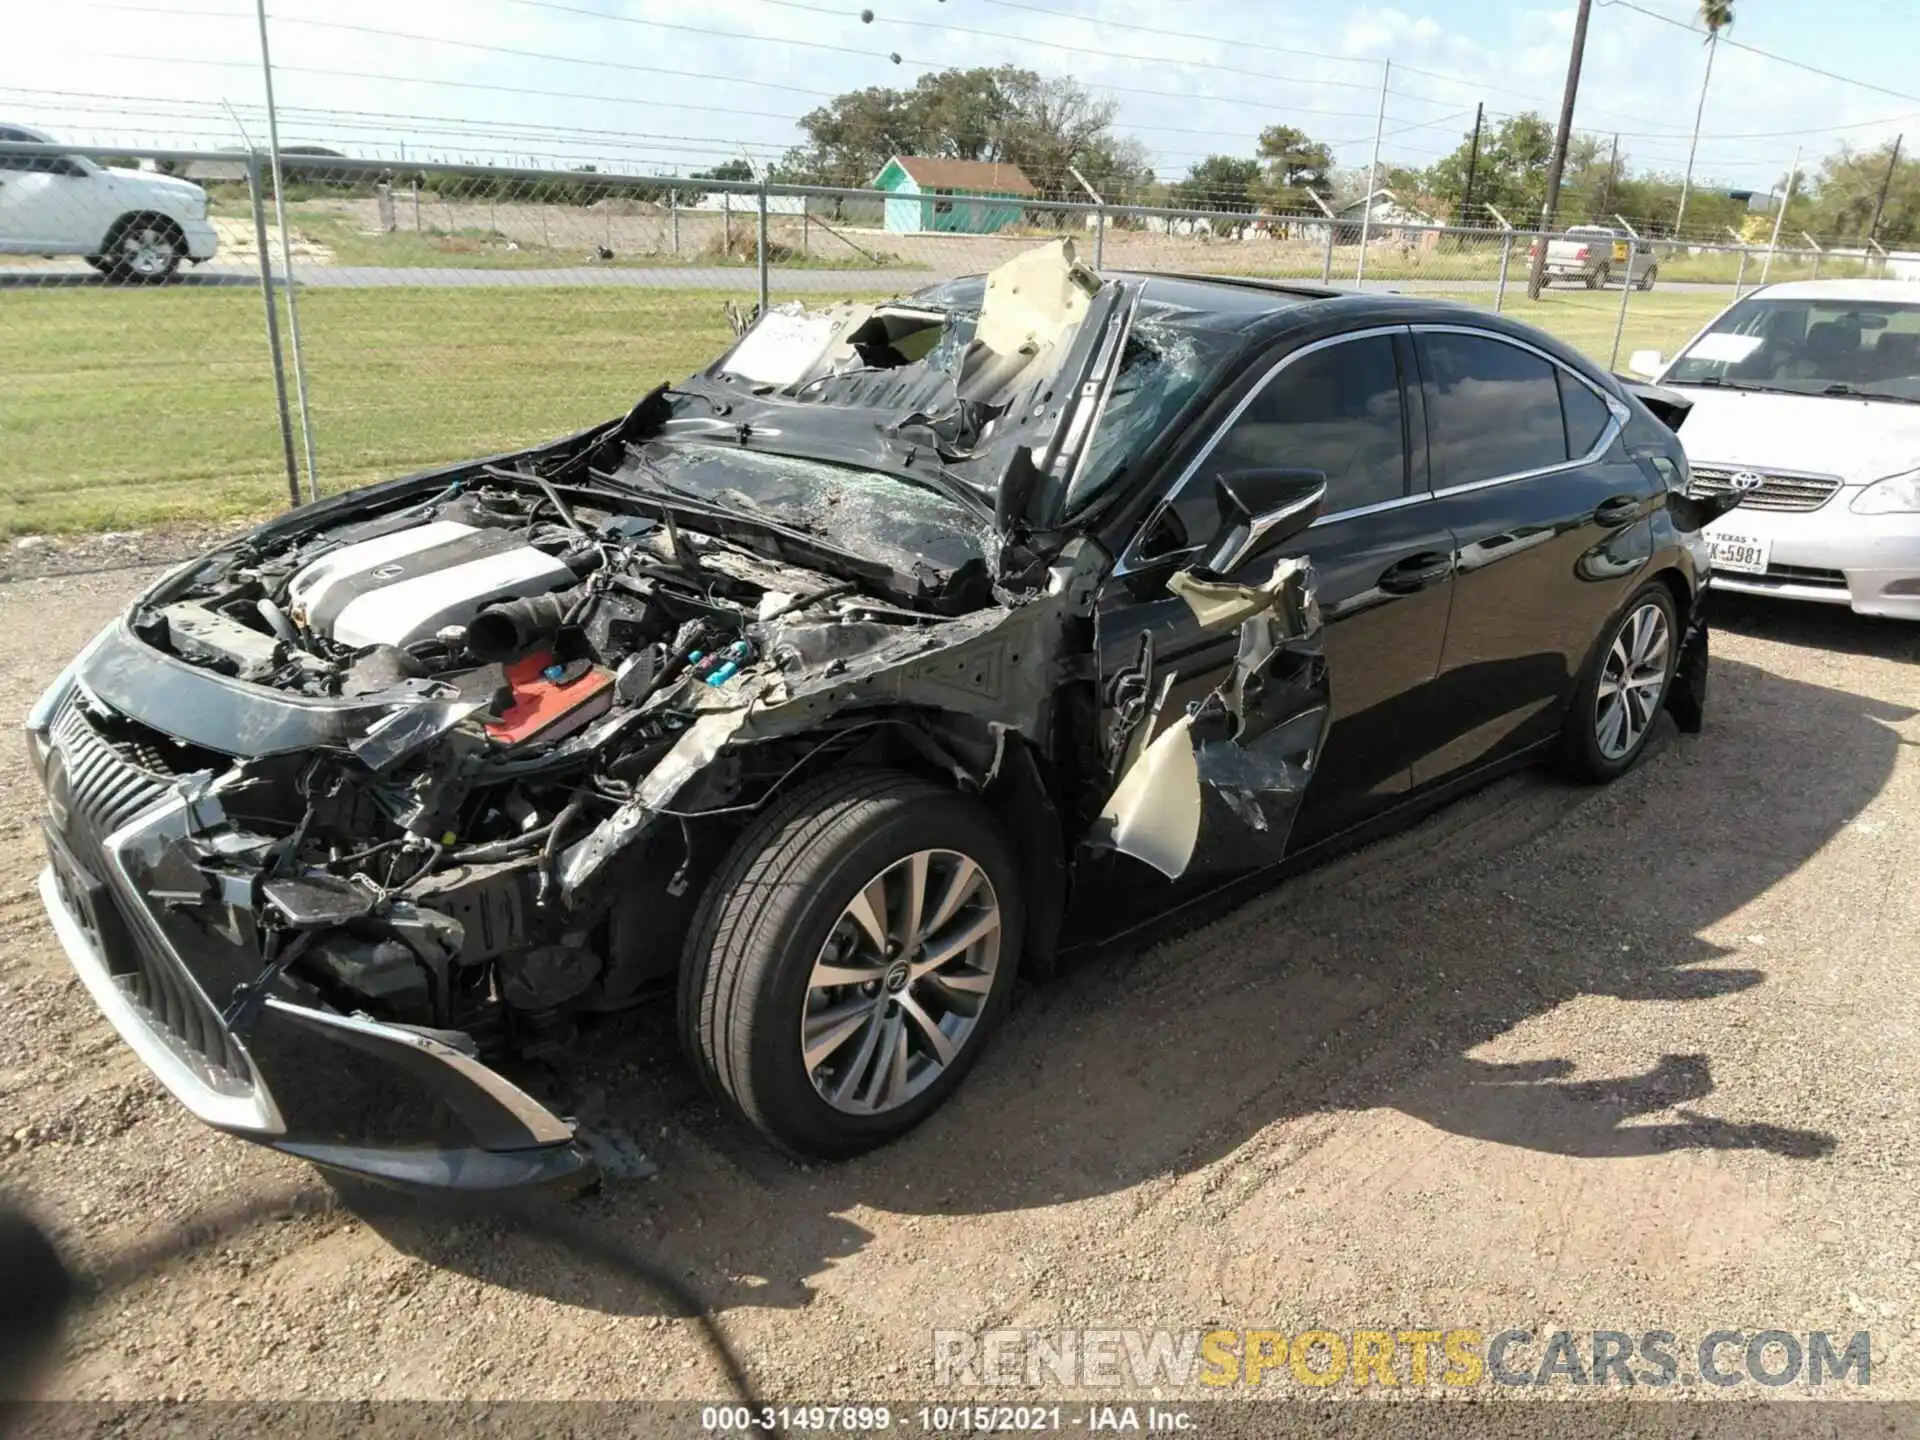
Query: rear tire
{"x":143,"y":250}
{"x":1597,"y":279}
{"x":1623,"y":687}
{"x":820,"y":887}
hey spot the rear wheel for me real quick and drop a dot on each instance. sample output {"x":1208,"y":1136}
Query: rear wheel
{"x":850,"y":960}
{"x":144,"y":250}
{"x":1597,"y":278}
{"x":1623,"y":687}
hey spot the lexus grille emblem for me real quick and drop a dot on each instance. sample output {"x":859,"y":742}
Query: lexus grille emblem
{"x":1745,"y":480}
{"x":59,"y":802}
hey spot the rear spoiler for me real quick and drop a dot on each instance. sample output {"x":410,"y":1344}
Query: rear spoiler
{"x":1669,"y":407}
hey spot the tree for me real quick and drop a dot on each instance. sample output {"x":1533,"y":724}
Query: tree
{"x":1839,"y":197}
{"x":1297,"y":168}
{"x":1004,"y":114}
{"x":1512,"y":171}
{"x":725,"y":170}
{"x":1219,"y":182}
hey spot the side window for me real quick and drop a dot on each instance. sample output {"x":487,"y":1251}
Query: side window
{"x":1492,"y":409}
{"x":14,"y":162}
{"x":1338,"y":410}
{"x":1587,"y":415}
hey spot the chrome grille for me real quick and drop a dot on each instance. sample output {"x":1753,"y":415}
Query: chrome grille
{"x":1777,"y":490}
{"x":105,"y":791}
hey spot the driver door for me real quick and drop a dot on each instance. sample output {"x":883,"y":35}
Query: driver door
{"x":1382,"y":566}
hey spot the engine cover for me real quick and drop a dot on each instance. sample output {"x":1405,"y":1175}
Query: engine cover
{"x":395,"y":589}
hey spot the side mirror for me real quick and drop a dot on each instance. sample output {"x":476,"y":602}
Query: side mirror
{"x":1261,"y":508}
{"x":1646,"y":363}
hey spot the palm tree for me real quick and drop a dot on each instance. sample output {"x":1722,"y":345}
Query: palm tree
{"x":1716,"y":15}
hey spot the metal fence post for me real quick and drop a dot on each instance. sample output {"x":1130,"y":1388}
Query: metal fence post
{"x":272,"y":307}
{"x":1740,"y":276}
{"x":1099,"y":235}
{"x":1626,"y":293}
{"x":673,"y":216}
{"x":760,"y":243}
{"x":726,"y":222}
{"x":416,"y":205}
{"x":1326,"y":259}
{"x":1506,"y":258}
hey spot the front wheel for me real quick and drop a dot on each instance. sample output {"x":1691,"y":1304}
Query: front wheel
{"x":145,"y":251}
{"x":1647,"y":279}
{"x":850,"y":960}
{"x":1622,"y":688}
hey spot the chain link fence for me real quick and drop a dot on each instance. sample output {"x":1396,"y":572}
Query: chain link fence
{"x":155,"y":363}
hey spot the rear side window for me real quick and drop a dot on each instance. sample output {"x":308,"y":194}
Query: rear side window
{"x":1493,"y":409}
{"x":1587,"y":415}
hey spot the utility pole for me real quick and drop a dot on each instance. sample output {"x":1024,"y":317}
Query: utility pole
{"x":1473,"y":164}
{"x":1686,"y":182}
{"x":1886,"y":183}
{"x":1793,"y":174}
{"x":1373,"y":171}
{"x":286,"y":254}
{"x":1613,"y":177}
{"x":1558,"y":163}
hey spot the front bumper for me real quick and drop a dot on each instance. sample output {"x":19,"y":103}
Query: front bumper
{"x":1832,"y":556}
{"x":347,"y":1092}
{"x":202,"y":240}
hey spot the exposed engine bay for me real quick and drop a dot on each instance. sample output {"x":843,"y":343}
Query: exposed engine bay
{"x":531,"y":660}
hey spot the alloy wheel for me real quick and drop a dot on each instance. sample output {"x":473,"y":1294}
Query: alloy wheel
{"x":900,"y":984}
{"x":1632,"y":681}
{"x":147,"y":251}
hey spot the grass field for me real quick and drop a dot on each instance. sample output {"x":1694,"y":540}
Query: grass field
{"x":121,"y":409}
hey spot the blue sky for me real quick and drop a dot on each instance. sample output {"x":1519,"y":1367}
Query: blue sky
{"x":685,"y":83}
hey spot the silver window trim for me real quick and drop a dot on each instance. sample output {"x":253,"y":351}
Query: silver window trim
{"x":1615,"y":408}
{"x":1126,"y":564}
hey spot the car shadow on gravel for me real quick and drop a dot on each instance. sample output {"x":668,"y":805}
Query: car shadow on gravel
{"x":1369,"y":982}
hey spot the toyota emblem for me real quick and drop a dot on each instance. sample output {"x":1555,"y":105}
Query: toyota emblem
{"x":1745,"y":480}
{"x":59,"y":799}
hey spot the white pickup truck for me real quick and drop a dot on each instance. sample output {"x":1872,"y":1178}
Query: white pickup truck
{"x":131,"y":225}
{"x":1595,"y":255}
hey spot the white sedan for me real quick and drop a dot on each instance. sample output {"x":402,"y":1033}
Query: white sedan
{"x":128,"y":224}
{"x":1806,"y":398}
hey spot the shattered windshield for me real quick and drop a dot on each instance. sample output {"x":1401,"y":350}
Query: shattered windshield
{"x":1812,"y":347}
{"x":1165,"y":363}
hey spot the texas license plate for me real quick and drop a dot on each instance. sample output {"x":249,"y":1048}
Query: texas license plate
{"x":1743,"y":554}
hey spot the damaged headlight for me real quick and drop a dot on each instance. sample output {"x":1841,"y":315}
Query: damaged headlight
{"x":1895,"y":495}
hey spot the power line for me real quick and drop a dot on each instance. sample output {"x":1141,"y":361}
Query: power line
{"x":1725,"y":39}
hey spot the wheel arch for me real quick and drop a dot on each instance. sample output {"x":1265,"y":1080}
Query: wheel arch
{"x":134,"y":217}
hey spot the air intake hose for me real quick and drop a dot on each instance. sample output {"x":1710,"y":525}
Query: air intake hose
{"x":510,"y":629}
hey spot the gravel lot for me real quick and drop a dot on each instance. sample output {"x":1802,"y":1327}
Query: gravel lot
{"x":1636,"y":1058}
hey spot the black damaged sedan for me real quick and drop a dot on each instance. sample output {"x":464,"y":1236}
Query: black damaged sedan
{"x":905,"y":648}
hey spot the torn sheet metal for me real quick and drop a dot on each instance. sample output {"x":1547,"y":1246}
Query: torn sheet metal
{"x":1239,"y":760}
{"x":692,"y":753}
{"x":1287,"y":592}
{"x":1035,"y":300}
{"x":1154,"y":815}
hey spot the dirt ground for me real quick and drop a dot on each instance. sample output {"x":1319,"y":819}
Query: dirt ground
{"x":1644,"y":1057}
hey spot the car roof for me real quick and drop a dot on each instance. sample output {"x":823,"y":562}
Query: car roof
{"x":32,"y":136}
{"x":1899,"y":291}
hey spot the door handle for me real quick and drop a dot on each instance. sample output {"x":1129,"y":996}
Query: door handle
{"x":1619,"y":510}
{"x":1416,"y":572}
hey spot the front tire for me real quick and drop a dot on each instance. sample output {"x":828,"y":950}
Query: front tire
{"x":1647,"y":279}
{"x":850,"y":960}
{"x":1623,"y":688}
{"x":144,"y":250}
